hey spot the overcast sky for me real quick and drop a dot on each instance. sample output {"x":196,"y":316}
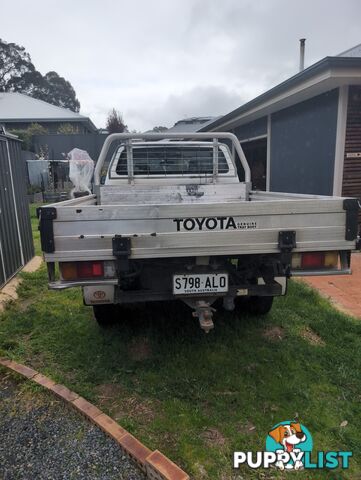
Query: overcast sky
{"x":162,"y":60}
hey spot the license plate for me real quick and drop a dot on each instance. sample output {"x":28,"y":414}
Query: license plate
{"x":200,"y":283}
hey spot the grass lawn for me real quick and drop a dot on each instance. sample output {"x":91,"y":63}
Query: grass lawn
{"x":200,"y":397}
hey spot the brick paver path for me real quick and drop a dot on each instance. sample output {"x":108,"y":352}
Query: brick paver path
{"x":343,"y":290}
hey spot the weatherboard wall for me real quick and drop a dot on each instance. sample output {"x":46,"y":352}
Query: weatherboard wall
{"x":301,"y":140}
{"x":302,"y":146}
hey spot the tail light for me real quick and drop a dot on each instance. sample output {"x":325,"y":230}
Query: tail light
{"x":90,"y":269}
{"x":314,"y":260}
{"x":81,"y":270}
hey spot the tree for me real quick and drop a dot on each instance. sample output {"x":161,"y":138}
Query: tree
{"x":115,"y":123}
{"x":60,"y":92}
{"x":31,"y":83}
{"x":26,"y":135}
{"x":14,"y":63}
{"x":160,"y":129}
{"x":18,"y":74}
{"x":67,"y":129}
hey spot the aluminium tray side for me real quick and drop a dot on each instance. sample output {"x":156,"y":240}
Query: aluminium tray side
{"x":176,"y":230}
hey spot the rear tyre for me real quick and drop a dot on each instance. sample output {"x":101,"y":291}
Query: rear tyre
{"x":105,"y":315}
{"x":258,"y":305}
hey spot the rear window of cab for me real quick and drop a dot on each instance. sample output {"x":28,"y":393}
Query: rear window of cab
{"x":170,"y":160}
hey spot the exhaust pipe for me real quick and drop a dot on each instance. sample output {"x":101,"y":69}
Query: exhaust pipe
{"x":302,"y":53}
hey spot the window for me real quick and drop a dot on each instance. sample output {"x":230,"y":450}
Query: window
{"x":171,"y":160}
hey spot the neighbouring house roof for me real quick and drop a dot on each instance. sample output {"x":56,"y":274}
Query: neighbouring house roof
{"x":325,"y":75}
{"x":188,"y":125}
{"x":20,"y":108}
{"x":351,"y":52}
{"x":191,"y":124}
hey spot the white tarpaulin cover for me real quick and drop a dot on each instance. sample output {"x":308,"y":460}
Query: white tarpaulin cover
{"x":81,"y":168}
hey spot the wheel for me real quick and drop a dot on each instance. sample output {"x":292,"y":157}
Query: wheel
{"x":258,"y":305}
{"x":105,"y":315}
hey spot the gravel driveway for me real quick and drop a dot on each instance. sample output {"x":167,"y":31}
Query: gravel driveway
{"x":41,"y":438}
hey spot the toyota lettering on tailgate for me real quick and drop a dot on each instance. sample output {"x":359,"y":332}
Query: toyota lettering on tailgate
{"x":212,"y":223}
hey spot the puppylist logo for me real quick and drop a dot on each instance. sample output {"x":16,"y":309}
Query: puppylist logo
{"x":289,"y":446}
{"x":289,"y":441}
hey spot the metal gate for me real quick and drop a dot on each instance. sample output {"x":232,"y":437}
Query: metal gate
{"x":16,"y":242}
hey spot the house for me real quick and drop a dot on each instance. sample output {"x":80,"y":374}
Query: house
{"x":304,"y":135}
{"x":18,"y":111}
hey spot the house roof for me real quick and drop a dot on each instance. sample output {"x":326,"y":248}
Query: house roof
{"x":191,"y":124}
{"x":188,"y":125}
{"x":17,"y":107}
{"x":351,"y":52}
{"x":325,"y":75}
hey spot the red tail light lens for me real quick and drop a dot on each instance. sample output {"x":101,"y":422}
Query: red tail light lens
{"x":90,"y":269}
{"x":81,"y":270}
{"x":313,"y":260}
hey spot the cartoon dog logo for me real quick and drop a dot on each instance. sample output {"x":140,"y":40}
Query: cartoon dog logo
{"x":289,"y":436}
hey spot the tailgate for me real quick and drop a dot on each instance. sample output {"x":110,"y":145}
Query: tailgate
{"x":176,"y":230}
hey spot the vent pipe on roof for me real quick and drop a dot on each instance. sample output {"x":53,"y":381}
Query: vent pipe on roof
{"x":302,"y":53}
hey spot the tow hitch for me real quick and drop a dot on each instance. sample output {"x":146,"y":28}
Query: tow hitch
{"x":204,"y":312}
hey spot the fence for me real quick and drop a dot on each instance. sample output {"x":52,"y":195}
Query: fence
{"x":52,"y":174}
{"x":56,"y":146}
{"x":16,"y":241}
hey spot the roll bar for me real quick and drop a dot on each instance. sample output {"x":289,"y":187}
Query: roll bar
{"x":128,"y":137}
